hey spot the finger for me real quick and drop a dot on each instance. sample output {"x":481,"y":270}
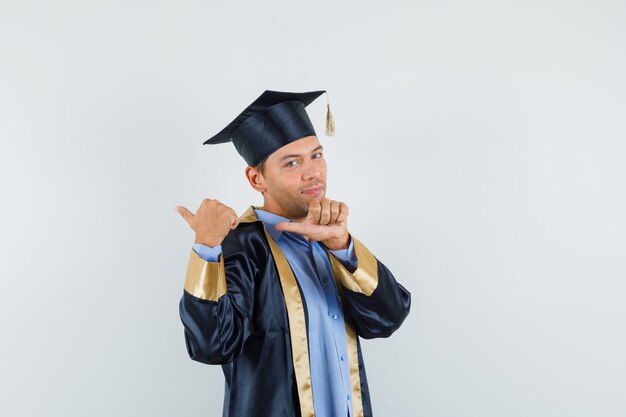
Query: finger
{"x":233,"y":218}
{"x":204,"y":203}
{"x":325,"y":212}
{"x":234,"y":222}
{"x":343,"y":213}
{"x":335,"y":208}
{"x":315,"y":209}
{"x":187,"y":215}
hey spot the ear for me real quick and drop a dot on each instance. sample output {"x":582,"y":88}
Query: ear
{"x":255,"y":178}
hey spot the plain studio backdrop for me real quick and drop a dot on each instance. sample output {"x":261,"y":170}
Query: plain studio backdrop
{"x":480,"y":147}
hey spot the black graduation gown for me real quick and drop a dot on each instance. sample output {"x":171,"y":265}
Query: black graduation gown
{"x":246,"y":313}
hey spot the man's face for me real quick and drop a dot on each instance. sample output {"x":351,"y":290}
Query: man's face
{"x":294,"y":176}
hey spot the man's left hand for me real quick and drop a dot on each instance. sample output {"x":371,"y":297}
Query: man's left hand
{"x":325,"y":223}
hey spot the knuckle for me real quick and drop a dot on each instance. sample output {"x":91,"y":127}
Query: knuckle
{"x":208,"y":202}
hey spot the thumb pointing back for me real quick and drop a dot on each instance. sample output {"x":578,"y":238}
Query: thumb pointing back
{"x":290,"y":227}
{"x":187,"y":215}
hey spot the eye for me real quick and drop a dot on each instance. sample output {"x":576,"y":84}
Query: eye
{"x":291,"y":164}
{"x":317,"y":155}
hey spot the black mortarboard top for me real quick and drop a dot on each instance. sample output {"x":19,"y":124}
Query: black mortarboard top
{"x":273,"y":120}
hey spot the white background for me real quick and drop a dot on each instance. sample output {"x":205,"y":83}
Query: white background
{"x":480,"y":147}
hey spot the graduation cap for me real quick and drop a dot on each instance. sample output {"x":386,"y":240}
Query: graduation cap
{"x":273,"y":120}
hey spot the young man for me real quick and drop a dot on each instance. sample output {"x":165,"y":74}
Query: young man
{"x":280,"y":295}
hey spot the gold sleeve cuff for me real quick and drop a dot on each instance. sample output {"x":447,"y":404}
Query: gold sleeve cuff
{"x":364,"y":279}
{"x":205,"y":280}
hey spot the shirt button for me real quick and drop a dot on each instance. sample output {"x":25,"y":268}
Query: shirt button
{"x":348,"y":396}
{"x":342,"y":358}
{"x":334,"y":317}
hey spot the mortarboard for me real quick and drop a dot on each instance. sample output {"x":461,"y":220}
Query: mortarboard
{"x":273,"y":120}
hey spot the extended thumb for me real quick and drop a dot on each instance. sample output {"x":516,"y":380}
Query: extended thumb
{"x":288,"y":227}
{"x":187,"y":215}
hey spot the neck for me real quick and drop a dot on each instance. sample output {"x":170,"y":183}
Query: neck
{"x":280,"y":212}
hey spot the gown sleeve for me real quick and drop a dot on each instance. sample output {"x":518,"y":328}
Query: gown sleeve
{"x":374,"y":300}
{"x":217,"y":304}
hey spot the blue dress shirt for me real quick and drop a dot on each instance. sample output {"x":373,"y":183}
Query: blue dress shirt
{"x":328,"y":356}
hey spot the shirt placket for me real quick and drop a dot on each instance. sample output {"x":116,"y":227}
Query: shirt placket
{"x":335,"y":314}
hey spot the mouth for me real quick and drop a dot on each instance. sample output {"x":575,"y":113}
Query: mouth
{"x":313,"y":190}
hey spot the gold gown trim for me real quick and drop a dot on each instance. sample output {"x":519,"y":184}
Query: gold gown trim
{"x":365,"y":282}
{"x":365,"y":279}
{"x":297,"y":328}
{"x":205,"y":280}
{"x":355,"y":377}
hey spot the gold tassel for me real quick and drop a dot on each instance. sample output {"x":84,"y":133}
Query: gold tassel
{"x":330,"y":121}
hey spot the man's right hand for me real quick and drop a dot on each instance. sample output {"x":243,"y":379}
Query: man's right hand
{"x":212,"y":221}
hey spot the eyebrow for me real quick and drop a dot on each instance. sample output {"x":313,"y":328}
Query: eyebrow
{"x":294,"y":155}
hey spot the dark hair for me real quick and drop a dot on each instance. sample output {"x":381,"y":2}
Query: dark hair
{"x":261,"y":166}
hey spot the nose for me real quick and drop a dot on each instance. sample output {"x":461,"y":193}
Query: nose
{"x":310,"y":171}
